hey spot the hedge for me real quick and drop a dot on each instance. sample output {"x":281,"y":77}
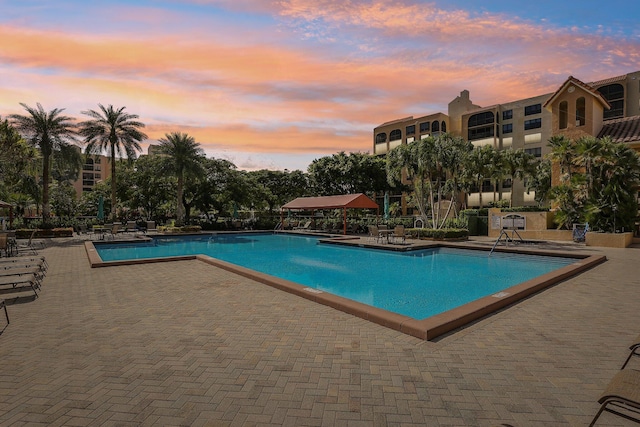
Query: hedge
{"x":442,"y":233}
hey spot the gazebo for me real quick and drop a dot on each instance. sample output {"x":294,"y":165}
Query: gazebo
{"x":344,"y":202}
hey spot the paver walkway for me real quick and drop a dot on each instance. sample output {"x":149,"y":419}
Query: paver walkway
{"x":185,"y":343}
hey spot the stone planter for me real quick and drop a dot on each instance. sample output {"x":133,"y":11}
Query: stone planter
{"x":609,"y":240}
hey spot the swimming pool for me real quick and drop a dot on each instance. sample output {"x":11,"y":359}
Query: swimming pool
{"x":417,"y":284}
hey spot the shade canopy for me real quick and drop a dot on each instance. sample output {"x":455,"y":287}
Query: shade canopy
{"x":345,"y":201}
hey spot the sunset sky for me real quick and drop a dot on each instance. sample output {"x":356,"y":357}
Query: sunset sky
{"x":276,"y":84}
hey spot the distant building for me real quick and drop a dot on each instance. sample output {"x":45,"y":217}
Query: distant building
{"x":609,"y":107}
{"x":96,"y":168}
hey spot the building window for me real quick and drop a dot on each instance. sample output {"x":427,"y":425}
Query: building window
{"x":395,"y":134}
{"x":507,"y":128}
{"x":563,"y":114}
{"x":381,"y":138}
{"x":425,"y":126}
{"x":480,"y":132}
{"x":615,"y":95}
{"x":507,"y":115}
{"x":481,"y":119}
{"x":536,"y":152}
{"x":443,"y":126}
{"x":98,"y":160}
{"x":411,"y":130}
{"x":435,"y":126}
{"x":532,"y":124}
{"x":97,"y":176}
{"x":533,"y":109}
{"x":580,"y":111}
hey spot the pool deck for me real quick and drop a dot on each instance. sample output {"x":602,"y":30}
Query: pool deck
{"x":186,"y":343}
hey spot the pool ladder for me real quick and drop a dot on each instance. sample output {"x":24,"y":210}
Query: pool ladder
{"x":507,"y":239}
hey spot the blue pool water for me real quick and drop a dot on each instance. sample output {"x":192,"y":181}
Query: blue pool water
{"x":417,"y":284}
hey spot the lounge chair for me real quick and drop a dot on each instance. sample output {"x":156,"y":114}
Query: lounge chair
{"x":31,"y":244}
{"x":622,"y":396}
{"x":635,"y":350}
{"x":6,"y":314}
{"x":30,"y":281}
{"x":304,"y":226}
{"x":24,"y":260}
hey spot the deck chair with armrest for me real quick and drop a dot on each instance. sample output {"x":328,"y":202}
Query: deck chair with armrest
{"x":621,"y":397}
{"x":635,"y":351}
{"x":399,"y":234}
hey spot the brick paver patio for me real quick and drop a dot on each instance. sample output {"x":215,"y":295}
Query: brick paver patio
{"x":185,"y":343}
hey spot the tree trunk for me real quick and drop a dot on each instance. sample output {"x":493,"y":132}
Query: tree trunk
{"x":179,"y":205}
{"x":113,"y":184}
{"x":46,"y":209}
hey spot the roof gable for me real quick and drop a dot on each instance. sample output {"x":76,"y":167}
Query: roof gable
{"x":573,"y":81}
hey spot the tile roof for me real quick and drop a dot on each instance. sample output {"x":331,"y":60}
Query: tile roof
{"x":625,"y":130}
{"x":609,"y":80}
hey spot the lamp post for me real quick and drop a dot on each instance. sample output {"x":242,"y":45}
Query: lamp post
{"x":614,"y":208}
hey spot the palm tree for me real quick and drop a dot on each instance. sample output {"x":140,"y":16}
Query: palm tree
{"x":184,"y":157}
{"x":478,"y":167}
{"x":517,"y":165}
{"x":51,"y":132}
{"x":563,"y":152}
{"x":117,"y":133}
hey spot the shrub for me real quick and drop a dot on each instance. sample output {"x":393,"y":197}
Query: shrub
{"x":443,"y":233}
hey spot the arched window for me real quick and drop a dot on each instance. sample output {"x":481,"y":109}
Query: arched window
{"x":435,"y":126}
{"x":563,"y":114}
{"x":443,"y":126}
{"x":395,"y":134}
{"x":481,"y":126}
{"x":580,"y":111}
{"x":381,"y":138}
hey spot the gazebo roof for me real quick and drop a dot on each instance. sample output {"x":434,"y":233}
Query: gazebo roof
{"x":359,"y":201}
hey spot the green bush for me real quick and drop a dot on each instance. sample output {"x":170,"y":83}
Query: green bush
{"x":443,"y":233}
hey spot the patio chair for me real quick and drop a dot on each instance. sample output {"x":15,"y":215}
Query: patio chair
{"x":621,"y":397}
{"x":4,"y":245}
{"x":374,"y":233}
{"x":399,"y":234}
{"x":24,"y":260}
{"x":31,"y":244}
{"x":115,"y":229}
{"x":635,"y":350}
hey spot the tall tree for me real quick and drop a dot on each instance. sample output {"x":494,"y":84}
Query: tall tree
{"x":347,"y":174}
{"x":115,"y":132}
{"x":517,"y":164}
{"x":478,"y":167}
{"x":183,"y":158}
{"x":432,"y":165}
{"x":50,"y":132}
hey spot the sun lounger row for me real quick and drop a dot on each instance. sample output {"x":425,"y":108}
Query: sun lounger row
{"x":20,"y":274}
{"x":622,"y":395}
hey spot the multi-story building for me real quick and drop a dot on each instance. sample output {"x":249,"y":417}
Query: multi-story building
{"x":609,"y":107}
{"x":95,"y":169}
